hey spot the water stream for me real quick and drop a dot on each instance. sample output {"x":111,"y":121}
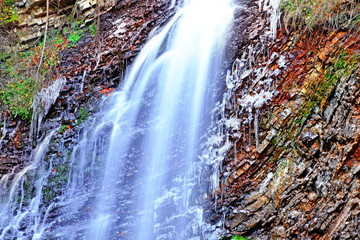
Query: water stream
{"x":134,"y":173}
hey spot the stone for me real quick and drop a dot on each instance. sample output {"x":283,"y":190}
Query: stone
{"x":312,"y":196}
{"x":279,"y":232}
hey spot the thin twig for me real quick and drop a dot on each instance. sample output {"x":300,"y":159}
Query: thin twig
{"x":46,"y":29}
{"x":97,"y":36}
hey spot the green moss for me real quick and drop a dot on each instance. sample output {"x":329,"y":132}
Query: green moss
{"x":307,"y":110}
{"x":238,"y":237}
{"x":57,"y":180}
{"x":281,"y":168}
{"x":92,"y":29}
{"x":61,"y":176}
{"x":316,"y":97}
{"x":355,"y":20}
{"x":341,"y":63}
{"x":83,"y":116}
{"x":28,"y":190}
{"x":63,"y":128}
{"x":48,"y":195}
{"x":68,"y":155}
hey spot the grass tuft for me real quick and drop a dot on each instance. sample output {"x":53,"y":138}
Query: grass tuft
{"x":337,"y":14}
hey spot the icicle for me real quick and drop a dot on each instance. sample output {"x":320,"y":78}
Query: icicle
{"x":260,"y":4}
{"x":235,"y":150}
{"x":172,"y":4}
{"x":42,"y":104}
{"x":222,"y":191}
{"x":256,"y":126}
{"x":3,"y":132}
{"x":275,"y":16}
{"x":244,"y":134}
{"x":82,"y":82}
{"x":250,"y":118}
{"x":223,"y":220}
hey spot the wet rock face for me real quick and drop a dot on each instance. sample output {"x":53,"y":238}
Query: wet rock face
{"x":93,"y":69}
{"x":13,"y":146}
{"x":301,"y":181}
{"x":32,"y":15}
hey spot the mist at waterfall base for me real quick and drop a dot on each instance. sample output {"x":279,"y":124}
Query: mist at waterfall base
{"x":134,"y":173}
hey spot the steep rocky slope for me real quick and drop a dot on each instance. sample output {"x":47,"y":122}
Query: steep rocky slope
{"x":92,"y":67}
{"x":293,"y":168}
{"x":292,"y":171}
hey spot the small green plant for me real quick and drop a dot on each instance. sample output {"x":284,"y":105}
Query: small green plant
{"x":341,"y":63}
{"x":63,"y":128}
{"x":57,"y":179}
{"x":92,"y":30}
{"x":7,"y":12}
{"x":83,"y":116}
{"x":62,"y":175}
{"x":17,"y":95}
{"x":48,"y":194}
{"x":312,"y":13}
{"x":74,"y":37}
{"x":238,"y":237}
{"x":68,"y":155}
{"x":18,"y":72}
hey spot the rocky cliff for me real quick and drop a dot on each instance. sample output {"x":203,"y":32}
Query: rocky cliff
{"x":89,"y":45}
{"x":292,"y":171}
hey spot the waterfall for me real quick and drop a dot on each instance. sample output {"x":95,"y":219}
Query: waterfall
{"x":134,"y":173}
{"x":14,"y":192}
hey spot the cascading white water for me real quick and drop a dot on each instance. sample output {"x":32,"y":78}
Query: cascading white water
{"x":248,"y":90}
{"x":133,"y":172}
{"x":14,"y":213}
{"x":159,"y":113}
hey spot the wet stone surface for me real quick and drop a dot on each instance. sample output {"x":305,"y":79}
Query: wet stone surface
{"x":93,"y":69}
{"x":302,"y":181}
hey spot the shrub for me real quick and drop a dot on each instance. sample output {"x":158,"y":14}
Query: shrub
{"x":7,"y":12}
{"x":320,"y":13}
{"x":19,"y":73}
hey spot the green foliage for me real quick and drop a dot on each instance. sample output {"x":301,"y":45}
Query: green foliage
{"x":341,"y":63}
{"x":58,"y":178}
{"x":83,"y":116}
{"x":58,"y":41}
{"x":75,"y":29}
{"x":312,"y":13}
{"x":65,"y":30}
{"x":18,"y":72}
{"x":4,"y":56}
{"x":238,"y":237}
{"x":61,"y":176}
{"x":17,"y":95}
{"x":74,"y":37}
{"x":63,"y":128}
{"x":7,"y":12}
{"x":92,"y":30}
{"x":48,"y":194}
